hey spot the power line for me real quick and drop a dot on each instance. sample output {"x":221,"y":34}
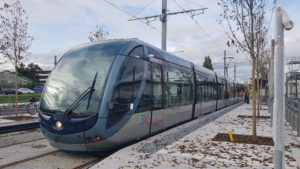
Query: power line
{"x":134,"y":16}
{"x":115,"y":6}
{"x":273,"y":9}
{"x":194,"y":3}
{"x":163,"y":18}
{"x":199,"y":26}
{"x":146,"y":23}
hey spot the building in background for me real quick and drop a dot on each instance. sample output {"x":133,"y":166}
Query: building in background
{"x":7,"y":79}
{"x":42,"y":76}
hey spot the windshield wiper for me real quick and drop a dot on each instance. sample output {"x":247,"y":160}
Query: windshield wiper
{"x":93,"y":89}
{"x":89,"y":91}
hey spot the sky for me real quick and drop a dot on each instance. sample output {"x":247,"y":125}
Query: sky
{"x":58,"y":25}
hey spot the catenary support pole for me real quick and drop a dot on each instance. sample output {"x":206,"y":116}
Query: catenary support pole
{"x":234,"y":72}
{"x":164,"y":18}
{"x":282,"y":21}
{"x":224,"y":63}
{"x":164,"y":25}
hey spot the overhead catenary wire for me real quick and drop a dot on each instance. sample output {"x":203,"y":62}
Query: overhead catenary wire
{"x":273,"y":9}
{"x":199,"y":26}
{"x":122,"y":10}
{"x":134,"y":16}
{"x":115,"y":6}
{"x":192,"y":2}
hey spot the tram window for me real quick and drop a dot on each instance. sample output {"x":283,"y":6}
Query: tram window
{"x":173,"y":90}
{"x":128,"y":84}
{"x":157,"y":86}
{"x":146,"y":98}
{"x":223,"y":89}
{"x":138,"y":51}
{"x":203,"y":85}
{"x":186,"y":88}
{"x":213,"y":88}
{"x":199,"y":83}
{"x":154,"y":52}
{"x":230,"y":90}
{"x":179,"y":87}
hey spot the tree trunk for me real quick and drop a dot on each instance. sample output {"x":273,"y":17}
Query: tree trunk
{"x":258,"y":94}
{"x":253,"y":101}
{"x":16,"y":87}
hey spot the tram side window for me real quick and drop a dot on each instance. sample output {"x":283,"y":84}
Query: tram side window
{"x":186,"y":88}
{"x":154,"y":52}
{"x":138,"y":51}
{"x":205,"y":87}
{"x":173,"y":90}
{"x":128,"y":84}
{"x":179,"y":87}
{"x":199,"y":82}
{"x":230,"y":90}
{"x":157,"y":86}
{"x":214,"y":88}
{"x":208,"y":88}
{"x":146,"y":98}
{"x":220,"y":89}
{"x":226,"y":96}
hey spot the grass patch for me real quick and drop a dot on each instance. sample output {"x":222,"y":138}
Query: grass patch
{"x":22,"y":98}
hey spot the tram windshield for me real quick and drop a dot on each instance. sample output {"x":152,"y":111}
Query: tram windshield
{"x":74,"y":74}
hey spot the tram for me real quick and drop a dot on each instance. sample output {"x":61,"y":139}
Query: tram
{"x":104,"y":95}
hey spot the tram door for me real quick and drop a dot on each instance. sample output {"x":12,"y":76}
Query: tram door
{"x":157,"y":105}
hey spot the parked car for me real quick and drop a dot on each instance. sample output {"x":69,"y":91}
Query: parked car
{"x":9,"y":91}
{"x":25,"y":90}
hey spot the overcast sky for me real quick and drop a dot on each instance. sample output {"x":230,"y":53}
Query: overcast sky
{"x":58,"y":25}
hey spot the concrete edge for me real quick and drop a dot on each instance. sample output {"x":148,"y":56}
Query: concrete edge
{"x":19,"y":126}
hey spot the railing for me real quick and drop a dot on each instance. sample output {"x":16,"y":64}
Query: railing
{"x":292,"y":114}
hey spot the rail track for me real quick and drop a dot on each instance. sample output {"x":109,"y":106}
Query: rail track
{"x":29,"y":149}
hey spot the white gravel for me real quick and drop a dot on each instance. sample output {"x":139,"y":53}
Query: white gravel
{"x":191,"y":146}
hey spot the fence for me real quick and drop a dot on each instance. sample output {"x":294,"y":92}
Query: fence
{"x":292,"y":114}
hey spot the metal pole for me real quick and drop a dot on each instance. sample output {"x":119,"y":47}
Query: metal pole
{"x":271,"y":82}
{"x":234,"y":72}
{"x":296,"y":76}
{"x":164,"y":25}
{"x":282,"y":21}
{"x":224,"y":63}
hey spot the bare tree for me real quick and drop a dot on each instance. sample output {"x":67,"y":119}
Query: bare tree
{"x":99,"y":34}
{"x":14,"y":38}
{"x":261,"y":69}
{"x":247,"y":27}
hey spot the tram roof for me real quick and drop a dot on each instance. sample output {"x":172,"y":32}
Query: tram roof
{"x":129,"y":44}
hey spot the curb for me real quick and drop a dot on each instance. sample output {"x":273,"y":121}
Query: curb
{"x":19,"y":126}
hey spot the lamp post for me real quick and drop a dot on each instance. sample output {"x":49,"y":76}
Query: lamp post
{"x":282,"y":22}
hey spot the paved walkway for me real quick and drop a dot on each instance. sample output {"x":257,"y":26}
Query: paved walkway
{"x":191,"y":146}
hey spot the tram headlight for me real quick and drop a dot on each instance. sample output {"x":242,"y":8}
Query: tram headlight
{"x":58,"y":125}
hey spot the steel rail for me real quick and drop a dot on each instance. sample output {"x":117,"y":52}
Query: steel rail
{"x":29,"y":159}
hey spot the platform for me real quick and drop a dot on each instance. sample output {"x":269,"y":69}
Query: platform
{"x":191,"y":146}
